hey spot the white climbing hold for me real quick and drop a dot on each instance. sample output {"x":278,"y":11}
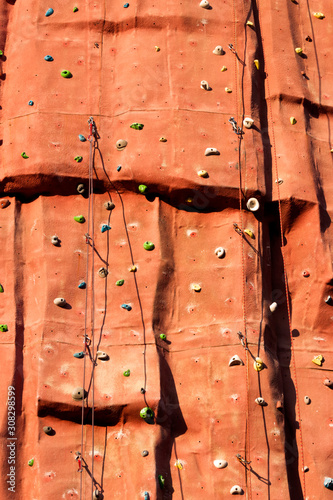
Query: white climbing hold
{"x":307,"y":400}
{"x":220,"y":252}
{"x":109,"y":205}
{"x":279,"y":181}
{"x":204,"y":85}
{"x":203,"y":173}
{"x":204,"y":4}
{"x":252,"y":204}
{"x":55,"y":240}
{"x":273,"y":306}
{"x":220,"y":464}
{"x":218,"y":51}
{"x":60,"y":302}
{"x":260,"y":401}
{"x":248,"y":122}
{"x":102,"y":272}
{"x":211,"y":151}
{"x":102,"y":355}
{"x":235,"y":360}
{"x":236,"y":490}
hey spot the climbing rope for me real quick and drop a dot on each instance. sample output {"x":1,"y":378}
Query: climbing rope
{"x":292,"y":361}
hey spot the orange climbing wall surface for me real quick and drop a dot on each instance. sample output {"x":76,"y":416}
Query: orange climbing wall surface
{"x":204,"y":409}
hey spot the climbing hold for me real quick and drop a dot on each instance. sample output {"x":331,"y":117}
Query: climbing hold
{"x":80,"y":219}
{"x":79,"y":393}
{"x":145,"y":453}
{"x":55,"y":240}
{"x":236,"y":490}
{"x":273,"y":306}
{"x":307,"y":400}
{"x":1,"y":53}
{"x":260,"y":401}
{"x":256,"y":63}
{"x":250,"y":24}
{"x":31,"y":462}
{"x":3,"y":328}
{"x":48,"y":58}
{"x":137,"y":126}
{"x":121,"y":144}
{"x":146,"y":413}
{"x":142,"y":390}
{"x":298,"y":50}
{"x":80,"y":188}
{"x":328,"y":483}
{"x":82,"y":138}
{"x":196,"y":288}
{"x":79,"y":355}
{"x":279,"y":405}
{"x":82,"y":285}
{"x":103,"y":356}
{"x":48,"y":430}
{"x":258,"y":364}
{"x":252,"y":204}
{"x":127,"y":373}
{"x":189,"y":200}
{"x":31,"y":103}
{"x":142,"y":188}
{"x":133,"y":269}
{"x":178,"y":464}
{"x":235,"y":360}
{"x":60,"y":302}
{"x":204,"y":85}
{"x":157,"y":48}
{"x":203,"y":173}
{"x":78,"y":158}
{"x":120,"y":282}
{"x":24,"y":155}
{"x":109,"y":205}
{"x":306,"y":274}
{"x":224,"y":68}
{"x":204,"y":4}
{"x":75,"y":9}
{"x":102,"y":272}
{"x":220,"y":252}
{"x":127,"y":307}
{"x":146,"y":495}
{"x":220,"y":464}
{"x":218,"y":51}
{"x":327,"y":381}
{"x":161,"y":481}
{"x":163,"y":336}
{"x":319,"y":15}
{"x":293,"y":120}
{"x":98,"y":495}
{"x":4,"y":203}
{"x":249,"y":233}
{"x":105,"y":227}
{"x":162,"y":139}
{"x":306,"y":468}
{"x":228,"y":91}
{"x":66,"y":74}
{"x":118,"y":168}
{"x":126,"y":5}
{"x":211,"y":152}
{"x":318,"y":360}
{"x":49,"y":12}
{"x":1,"y":289}
{"x":148,"y":245}
{"x":248,"y":122}
{"x":328,"y":300}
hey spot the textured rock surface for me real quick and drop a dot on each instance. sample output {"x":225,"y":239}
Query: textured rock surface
{"x":205,"y":410}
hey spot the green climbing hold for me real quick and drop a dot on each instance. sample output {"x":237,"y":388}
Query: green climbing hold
{"x":163,"y":336}
{"x":66,"y":74}
{"x":120,"y":282}
{"x":78,"y":158}
{"x":3,"y":328}
{"x":148,"y":245}
{"x":24,"y":155}
{"x":79,"y":218}
{"x":137,"y":126}
{"x":127,"y":373}
{"x":75,"y":9}
{"x":161,"y":481}
{"x":146,"y":413}
{"x":31,"y":462}
{"x":142,"y":188}
{"x":1,"y":53}
{"x":1,"y":289}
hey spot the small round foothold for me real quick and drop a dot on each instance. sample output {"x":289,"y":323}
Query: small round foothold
{"x":307,"y":400}
{"x":59,"y":301}
{"x":306,"y":274}
{"x":98,"y":495}
{"x":163,"y":336}
{"x":48,"y":58}
{"x":79,"y":218}
{"x":120,"y":282}
{"x":279,"y":405}
{"x":328,"y":382}
{"x":109,"y":205}
{"x":82,"y":138}
{"x":142,"y":188}
{"x":228,"y":90}
{"x":204,"y":85}
{"x":220,"y":464}
{"x":102,"y":272}
{"x":236,"y":490}
{"x":127,"y":373}
{"x":146,"y":413}
{"x":142,"y":390}
{"x":48,"y":430}
{"x":121,"y":144}
{"x":293,"y":120}
{"x":81,"y":189}
{"x":161,"y":481}
{"x":49,"y":12}
{"x":252,"y":204}
{"x":79,"y":393}
{"x":260,"y":401}
{"x":3,"y":328}
{"x":220,"y":252}
{"x":203,"y":173}
{"x":204,"y":4}
{"x":105,"y":227}
{"x":273,"y":306}
{"x":31,"y":103}
{"x":162,"y":139}
{"x":31,"y":462}
{"x":133,"y":269}
{"x":55,"y":240}
{"x":258,"y":364}
{"x":218,"y":51}
{"x":24,"y":155}
{"x":196,"y":287}
{"x":4,"y":203}
{"x":235,"y":360}
{"x":66,"y":74}
{"x":298,"y":50}
{"x":148,"y":245}
{"x":103,"y":356}
{"x":306,"y":468}
{"x":211,"y":152}
{"x":145,"y":453}
{"x":127,"y":307}
{"x":248,"y":122}
{"x":224,"y":68}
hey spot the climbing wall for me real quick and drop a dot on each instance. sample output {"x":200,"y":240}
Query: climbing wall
{"x":166,"y":273}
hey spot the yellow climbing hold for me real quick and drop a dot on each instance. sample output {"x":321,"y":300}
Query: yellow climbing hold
{"x":249,"y":233}
{"x":228,"y":91}
{"x":196,"y":288}
{"x":318,"y":360}
{"x":163,"y":139}
{"x":224,"y":68}
{"x":256,"y":62}
{"x":178,"y":464}
{"x":319,"y":15}
{"x":133,"y":269}
{"x":189,"y":200}
{"x":258,"y":364}
{"x":157,"y":48}
{"x":293,"y":120}
{"x":298,"y":50}
{"x":250,"y":23}
{"x":203,"y":173}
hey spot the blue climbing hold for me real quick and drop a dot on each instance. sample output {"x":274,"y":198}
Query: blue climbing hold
{"x":48,"y":58}
{"x":31,"y":103}
{"x":328,"y":483}
{"x":49,"y":12}
{"x":105,"y":227}
{"x":127,"y":307}
{"x":79,"y":355}
{"x":82,"y":138}
{"x":118,"y":168}
{"x":82,"y":284}
{"x":146,"y":495}
{"x":126,"y":5}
